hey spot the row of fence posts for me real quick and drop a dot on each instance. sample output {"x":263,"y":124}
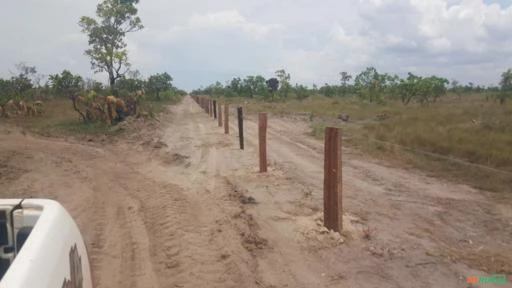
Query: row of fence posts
{"x":333,"y":209}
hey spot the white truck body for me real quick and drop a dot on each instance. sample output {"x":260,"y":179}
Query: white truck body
{"x":41,"y":246}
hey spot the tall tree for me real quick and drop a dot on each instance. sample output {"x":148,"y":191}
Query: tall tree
{"x":236,"y":85}
{"x":370,"y":84}
{"x":284,"y":79}
{"x":506,"y":86}
{"x":66,"y":82}
{"x":159,"y":83}
{"x":107,"y":50}
{"x":272,"y":85}
{"x":344,"y":79}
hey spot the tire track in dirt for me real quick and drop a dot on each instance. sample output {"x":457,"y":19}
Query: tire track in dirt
{"x":200,"y":233}
{"x":446,"y":206}
{"x":95,"y":188}
{"x":181,"y":216}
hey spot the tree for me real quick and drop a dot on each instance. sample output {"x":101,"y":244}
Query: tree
{"x":107,"y":36}
{"x":66,"y":82}
{"x":344,"y":79}
{"x":370,"y":84}
{"x":391,"y":84}
{"x":91,"y":84}
{"x":259,"y":85}
{"x":30,"y":72}
{"x":302,"y":92}
{"x":431,"y":88}
{"x":159,"y":83}
{"x":284,"y":79}
{"x":6,"y":92}
{"x":20,"y":85}
{"x":505,"y":86}
{"x":246,"y":87}
{"x":408,"y":88}
{"x":327,"y":90}
{"x":21,"y":81}
{"x":235,"y":85}
{"x":438,"y":87}
{"x":130,"y":83}
{"x":253,"y":86}
{"x":217,"y":89}
{"x":456,"y":88}
{"x":272,"y":85}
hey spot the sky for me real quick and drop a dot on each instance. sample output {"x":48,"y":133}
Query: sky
{"x":199,"y":42}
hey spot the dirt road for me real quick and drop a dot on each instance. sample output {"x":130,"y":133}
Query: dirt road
{"x":180,"y":205}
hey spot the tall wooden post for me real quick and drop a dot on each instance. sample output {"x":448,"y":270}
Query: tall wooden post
{"x":240,"y":126}
{"x":263,"y":141}
{"x":210,"y":105}
{"x":214,"y":109}
{"x":226,"y":118}
{"x":219,"y":114}
{"x":333,"y":209}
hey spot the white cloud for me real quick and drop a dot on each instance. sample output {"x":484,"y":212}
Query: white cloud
{"x":222,"y":19}
{"x":200,"y":41}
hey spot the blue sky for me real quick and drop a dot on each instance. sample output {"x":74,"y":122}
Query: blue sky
{"x":201,"y":41}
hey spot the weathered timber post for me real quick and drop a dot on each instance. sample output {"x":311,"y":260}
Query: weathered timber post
{"x":333,"y":209}
{"x":226,"y":119}
{"x":263,"y":141}
{"x":241,"y":126}
{"x":219,"y":114}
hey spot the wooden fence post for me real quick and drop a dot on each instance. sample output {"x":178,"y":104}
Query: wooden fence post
{"x":333,"y":209}
{"x":226,"y":118}
{"x":210,"y":104}
{"x":214,"y":109}
{"x":263,"y":141}
{"x":241,"y":126}
{"x":219,"y":115}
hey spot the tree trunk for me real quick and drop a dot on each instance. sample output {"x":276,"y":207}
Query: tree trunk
{"x":111,"y":78}
{"x":84,"y":118}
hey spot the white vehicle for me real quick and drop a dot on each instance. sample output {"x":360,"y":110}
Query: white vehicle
{"x":41,"y":246}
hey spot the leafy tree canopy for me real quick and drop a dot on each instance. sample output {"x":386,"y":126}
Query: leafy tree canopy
{"x":107,"y":34}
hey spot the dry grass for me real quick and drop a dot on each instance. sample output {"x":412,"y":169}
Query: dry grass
{"x":472,"y":129}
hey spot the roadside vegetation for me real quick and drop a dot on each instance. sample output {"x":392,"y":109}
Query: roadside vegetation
{"x":460,"y":132}
{"x":65,"y":102}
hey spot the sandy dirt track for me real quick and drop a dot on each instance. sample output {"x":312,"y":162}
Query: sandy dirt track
{"x":179,"y":205}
